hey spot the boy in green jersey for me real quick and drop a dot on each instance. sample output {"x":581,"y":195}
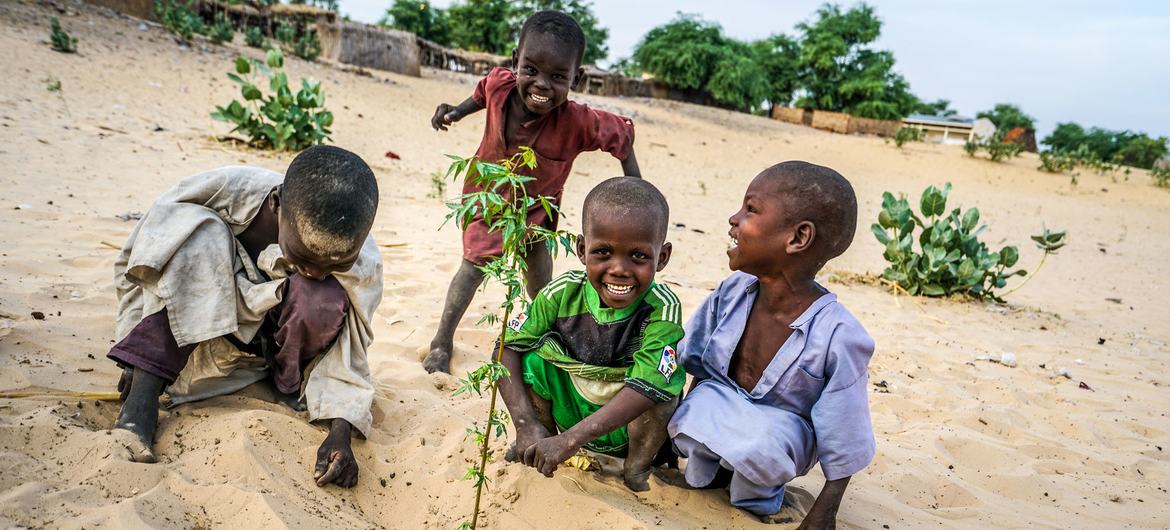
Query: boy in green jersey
{"x":593,"y":356}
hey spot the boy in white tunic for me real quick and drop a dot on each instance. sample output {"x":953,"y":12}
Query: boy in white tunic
{"x":779,"y":365}
{"x":242,"y":273}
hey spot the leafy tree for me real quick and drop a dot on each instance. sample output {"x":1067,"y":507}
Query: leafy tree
{"x":939,"y":107}
{"x":596,"y":37}
{"x":838,"y":72}
{"x":483,"y":26}
{"x":1007,"y":116}
{"x":778,"y":56}
{"x":1123,"y":147}
{"x":739,"y":80}
{"x":682,"y":53}
{"x":419,"y":18}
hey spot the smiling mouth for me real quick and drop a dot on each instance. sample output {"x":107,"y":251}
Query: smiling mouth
{"x":618,"y":290}
{"x":538,"y":99}
{"x":732,"y":242}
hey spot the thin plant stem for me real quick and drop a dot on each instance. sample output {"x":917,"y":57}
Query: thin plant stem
{"x":483,"y":450}
{"x":1028,"y":278}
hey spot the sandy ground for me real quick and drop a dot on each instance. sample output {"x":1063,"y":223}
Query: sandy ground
{"x":962,"y":442}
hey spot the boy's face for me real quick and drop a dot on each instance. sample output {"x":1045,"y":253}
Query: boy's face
{"x":306,"y":262}
{"x":621,"y":255}
{"x":762,"y":235}
{"x":546,"y":68}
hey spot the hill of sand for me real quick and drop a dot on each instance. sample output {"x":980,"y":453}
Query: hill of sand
{"x":962,"y":442}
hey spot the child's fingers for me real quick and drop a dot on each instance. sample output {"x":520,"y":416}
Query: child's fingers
{"x":529,"y":457}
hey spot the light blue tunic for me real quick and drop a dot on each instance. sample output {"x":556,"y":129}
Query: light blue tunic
{"x":809,"y":406}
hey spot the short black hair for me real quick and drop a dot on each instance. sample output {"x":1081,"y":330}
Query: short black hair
{"x":821,"y":195}
{"x":559,"y":25}
{"x":332,"y":195}
{"x":621,"y":196}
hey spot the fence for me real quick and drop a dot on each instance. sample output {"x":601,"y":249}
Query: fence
{"x":837,"y":122}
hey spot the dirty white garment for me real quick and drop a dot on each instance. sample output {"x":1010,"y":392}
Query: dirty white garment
{"x":184,"y":256}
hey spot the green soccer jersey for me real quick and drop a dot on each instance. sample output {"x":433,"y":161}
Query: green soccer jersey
{"x":567,"y":326}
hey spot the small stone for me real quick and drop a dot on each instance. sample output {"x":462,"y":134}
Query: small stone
{"x":37,"y":315}
{"x":1008,"y":359}
{"x":383,"y":481}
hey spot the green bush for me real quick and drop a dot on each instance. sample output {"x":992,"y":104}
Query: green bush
{"x":1161,"y":176}
{"x":1070,"y":160}
{"x":59,"y":40}
{"x":254,"y":37}
{"x":997,"y":149}
{"x":221,"y":30}
{"x":179,"y":18}
{"x":308,"y":46}
{"x":950,"y":258}
{"x":907,"y":134}
{"x":285,"y":32}
{"x":282,"y":120}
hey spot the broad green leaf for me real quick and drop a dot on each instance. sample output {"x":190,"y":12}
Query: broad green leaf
{"x":243,"y":66}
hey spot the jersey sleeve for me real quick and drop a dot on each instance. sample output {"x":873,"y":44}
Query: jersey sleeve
{"x":656,"y":373}
{"x":608,"y":132}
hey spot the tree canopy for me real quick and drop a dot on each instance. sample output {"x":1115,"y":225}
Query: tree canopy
{"x":1007,"y":116}
{"x":419,"y":18}
{"x":1123,"y":147}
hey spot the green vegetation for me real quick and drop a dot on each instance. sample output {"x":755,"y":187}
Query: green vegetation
{"x":908,"y":134}
{"x":308,"y":46}
{"x":1161,"y":176}
{"x":950,"y":259}
{"x":1121,"y":147}
{"x":59,"y":40}
{"x":179,"y":18}
{"x":53,"y":84}
{"x":504,"y":206}
{"x":491,"y":26}
{"x":997,"y":149}
{"x":281,"y":120}
{"x":286,"y":32}
{"x":221,"y":29}
{"x":1006,"y":117}
{"x":254,"y":37}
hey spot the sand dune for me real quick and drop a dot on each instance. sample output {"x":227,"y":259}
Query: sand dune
{"x":962,"y":442}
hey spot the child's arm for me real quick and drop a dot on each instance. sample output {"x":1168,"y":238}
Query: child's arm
{"x":545,"y":455}
{"x":446,"y":114}
{"x":823,"y":513}
{"x":630,"y":165}
{"x":515,"y":396}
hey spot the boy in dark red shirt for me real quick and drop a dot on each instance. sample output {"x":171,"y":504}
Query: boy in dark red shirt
{"x":527,"y":106}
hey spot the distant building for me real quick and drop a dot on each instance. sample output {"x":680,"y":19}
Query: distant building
{"x":950,"y":129}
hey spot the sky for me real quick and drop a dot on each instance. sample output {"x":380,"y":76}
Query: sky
{"x":1102,"y":64}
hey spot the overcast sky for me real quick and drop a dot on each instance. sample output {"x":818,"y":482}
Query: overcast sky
{"x":1104,"y":64}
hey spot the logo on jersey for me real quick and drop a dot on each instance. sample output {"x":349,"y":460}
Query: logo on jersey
{"x":518,"y":321}
{"x":668,"y":363}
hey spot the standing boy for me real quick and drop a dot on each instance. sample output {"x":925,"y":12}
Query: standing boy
{"x":593,"y":356}
{"x":243,"y":259}
{"x":779,"y":364}
{"x":527,"y":106}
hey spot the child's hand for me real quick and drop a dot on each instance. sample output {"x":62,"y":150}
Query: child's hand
{"x":546,"y":454}
{"x":445,"y":115}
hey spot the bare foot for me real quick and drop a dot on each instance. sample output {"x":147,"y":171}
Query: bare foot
{"x":787,"y":515}
{"x":139,"y":414}
{"x":438,"y":360}
{"x":636,"y":480}
{"x":671,"y":477}
{"x":136,"y":449}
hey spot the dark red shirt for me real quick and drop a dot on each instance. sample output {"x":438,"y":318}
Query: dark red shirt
{"x":557,"y":138}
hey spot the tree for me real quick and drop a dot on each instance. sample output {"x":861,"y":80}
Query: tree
{"x":1122,"y":147}
{"x":939,"y":107}
{"x":739,"y":80}
{"x":683,"y":52}
{"x":483,"y":26}
{"x":419,"y":18}
{"x":1007,"y":116}
{"x":838,"y":72}
{"x":778,"y":56}
{"x":596,"y":37}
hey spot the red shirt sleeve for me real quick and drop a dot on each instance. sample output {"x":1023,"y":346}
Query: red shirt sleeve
{"x":608,"y":132}
{"x":490,"y":84}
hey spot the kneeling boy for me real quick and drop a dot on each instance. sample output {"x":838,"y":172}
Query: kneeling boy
{"x":593,"y":357}
{"x":779,"y":364}
{"x":242,"y":259}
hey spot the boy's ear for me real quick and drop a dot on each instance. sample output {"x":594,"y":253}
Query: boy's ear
{"x":664,"y":256}
{"x":577,"y":77}
{"x":802,"y":237}
{"x":581,"y":248}
{"x":274,"y":199}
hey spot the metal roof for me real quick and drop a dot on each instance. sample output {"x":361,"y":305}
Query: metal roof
{"x":962,"y":122}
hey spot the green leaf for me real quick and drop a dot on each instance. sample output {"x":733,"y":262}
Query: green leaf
{"x":243,"y":65}
{"x":274,"y":58}
{"x":250,"y":92}
{"x":1009,"y":256}
{"x":934,"y":201}
{"x":970,"y":219}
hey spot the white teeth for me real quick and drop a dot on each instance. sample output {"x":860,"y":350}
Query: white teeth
{"x":619,"y":290}
{"x":538,"y":99}
{"x":732,"y":242}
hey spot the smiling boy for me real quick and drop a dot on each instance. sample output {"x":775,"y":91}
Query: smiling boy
{"x":528,"y":106}
{"x":593,"y":357}
{"x":779,"y":364}
{"x":240,"y":274}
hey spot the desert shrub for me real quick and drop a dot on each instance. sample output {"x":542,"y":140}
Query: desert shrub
{"x":1161,"y":176}
{"x":950,"y":258}
{"x":179,"y":18}
{"x":59,"y":40}
{"x":308,"y":46}
{"x":221,"y":29}
{"x":1121,"y":147}
{"x":997,"y":149}
{"x":286,"y":32}
{"x":281,"y":120}
{"x":254,"y":37}
{"x":1071,"y":161}
{"x":907,"y":134}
